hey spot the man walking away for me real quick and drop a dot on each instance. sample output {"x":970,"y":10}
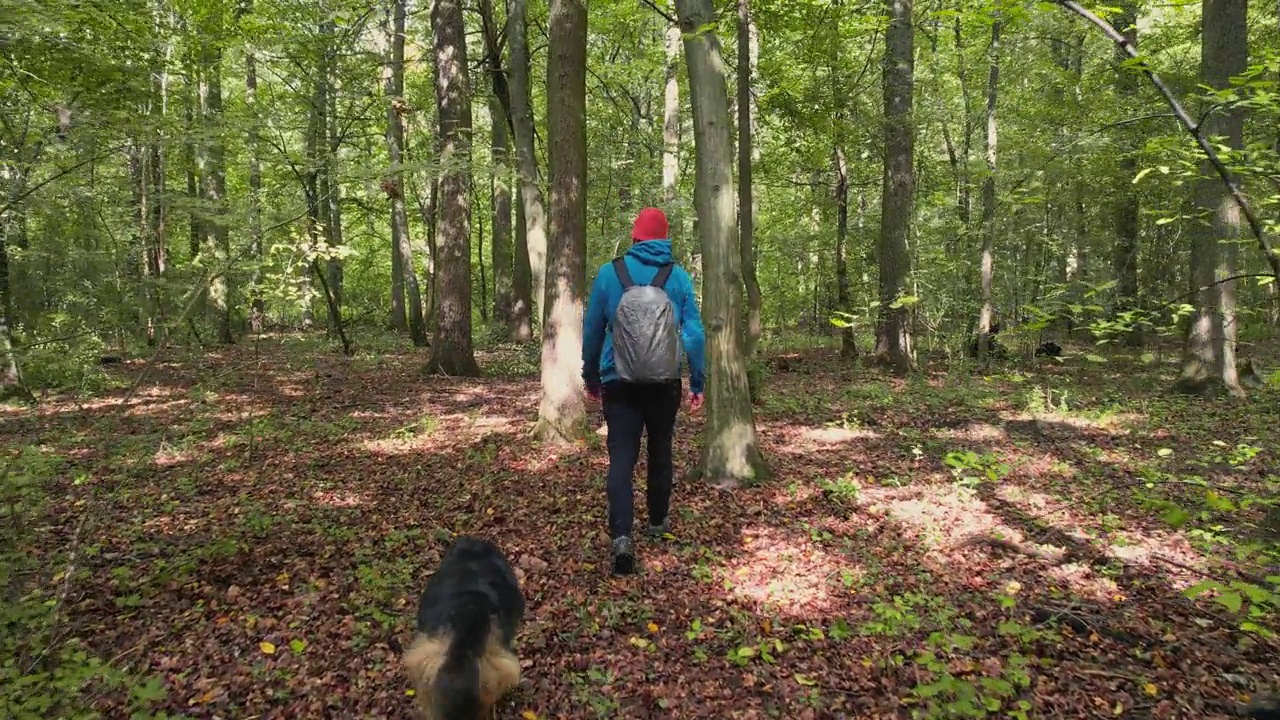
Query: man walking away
{"x":641,"y":314}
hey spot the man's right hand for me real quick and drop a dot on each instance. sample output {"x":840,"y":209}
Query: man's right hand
{"x":593,"y":394}
{"x":695,"y":402}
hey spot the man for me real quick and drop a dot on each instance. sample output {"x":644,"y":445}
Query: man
{"x":641,"y":313}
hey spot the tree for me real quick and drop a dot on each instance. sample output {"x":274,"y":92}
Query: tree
{"x":405,"y":277}
{"x":731,"y":450}
{"x":561,"y":414}
{"x":500,"y":192}
{"x":1209,"y":360}
{"x":746,"y":203}
{"x":217,"y":233}
{"x":897,"y":201}
{"x":1125,"y":208}
{"x":533,"y":206}
{"x":986,"y":317}
{"x":451,"y":352}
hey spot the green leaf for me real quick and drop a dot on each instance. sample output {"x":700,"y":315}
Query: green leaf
{"x":1142,"y":174}
{"x":1231,"y":601}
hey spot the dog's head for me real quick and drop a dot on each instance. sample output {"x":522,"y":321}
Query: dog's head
{"x":449,"y":689}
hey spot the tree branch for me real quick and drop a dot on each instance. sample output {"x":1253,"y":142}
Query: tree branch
{"x":1225,"y":173}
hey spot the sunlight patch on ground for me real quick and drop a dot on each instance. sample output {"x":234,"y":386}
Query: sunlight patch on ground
{"x":449,"y":432}
{"x":941,"y":515}
{"x":973,"y":432}
{"x":170,"y":455}
{"x":1052,"y":423}
{"x":783,"y":573}
{"x":1083,"y":581}
{"x":795,"y":439}
{"x":170,"y":525}
{"x":1133,"y":546}
{"x":338,"y":498}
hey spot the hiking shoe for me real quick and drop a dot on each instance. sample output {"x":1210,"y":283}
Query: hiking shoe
{"x":624,"y":556}
{"x":657,"y":531}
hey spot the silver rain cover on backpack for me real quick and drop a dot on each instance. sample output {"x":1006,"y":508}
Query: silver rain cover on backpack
{"x":646,"y":339}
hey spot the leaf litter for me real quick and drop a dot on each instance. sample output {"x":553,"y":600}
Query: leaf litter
{"x":261,"y":537}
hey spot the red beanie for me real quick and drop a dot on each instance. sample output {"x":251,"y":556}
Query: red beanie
{"x":651,"y":224}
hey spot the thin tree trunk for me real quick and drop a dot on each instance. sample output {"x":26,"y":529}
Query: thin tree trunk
{"x":1208,"y":365}
{"x":848,"y":349}
{"x":671,"y":125}
{"x":409,"y":313}
{"x":217,"y":233}
{"x":500,"y":192}
{"x":1125,"y":208}
{"x":731,"y":452}
{"x":521,"y":282}
{"x":986,"y":318}
{"x":897,"y":204}
{"x":535,"y":213}
{"x":965,"y":200}
{"x":329,"y":188}
{"x":257,"y":305}
{"x":484,"y":281}
{"x":746,"y":202}
{"x":561,"y":415}
{"x":452,"y":352}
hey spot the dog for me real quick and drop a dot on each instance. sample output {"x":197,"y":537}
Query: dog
{"x":1049,"y":348}
{"x":463,"y":658}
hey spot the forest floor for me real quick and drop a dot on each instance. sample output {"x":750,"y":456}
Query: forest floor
{"x":255,"y":524}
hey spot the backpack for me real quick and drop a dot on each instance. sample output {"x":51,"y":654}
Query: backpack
{"x":646,"y":340}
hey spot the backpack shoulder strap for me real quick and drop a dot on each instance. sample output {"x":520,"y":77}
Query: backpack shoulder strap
{"x":624,"y":275}
{"x":664,"y":272}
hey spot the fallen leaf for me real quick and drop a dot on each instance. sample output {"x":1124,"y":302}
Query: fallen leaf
{"x":267,"y":648}
{"x":1151,"y":689}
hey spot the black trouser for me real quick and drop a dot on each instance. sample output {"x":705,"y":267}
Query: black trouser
{"x":628,"y":411}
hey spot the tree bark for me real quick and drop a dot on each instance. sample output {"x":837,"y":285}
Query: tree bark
{"x":561,"y":415}
{"x":1125,"y":207}
{"x":500,"y":194}
{"x":746,"y":202}
{"x":897,"y":204}
{"x":521,"y":281}
{"x":731,"y":452}
{"x":257,"y":305}
{"x":535,"y":213}
{"x":410,"y":312}
{"x":848,"y":348}
{"x":1209,"y":361}
{"x":452,"y":352}
{"x":330,"y":189}
{"x":671,"y":125}
{"x":217,"y":233}
{"x":986,"y":317}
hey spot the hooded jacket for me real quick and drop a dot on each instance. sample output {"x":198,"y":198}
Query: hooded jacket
{"x":643,"y":260}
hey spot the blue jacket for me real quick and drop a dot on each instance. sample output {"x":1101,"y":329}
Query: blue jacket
{"x":643,"y":260}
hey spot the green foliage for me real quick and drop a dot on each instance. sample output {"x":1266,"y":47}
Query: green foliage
{"x":47,"y":672}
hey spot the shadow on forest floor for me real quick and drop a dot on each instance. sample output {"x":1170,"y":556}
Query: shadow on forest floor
{"x":937,"y":545}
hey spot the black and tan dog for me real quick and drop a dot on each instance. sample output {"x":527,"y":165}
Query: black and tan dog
{"x":463,"y":658}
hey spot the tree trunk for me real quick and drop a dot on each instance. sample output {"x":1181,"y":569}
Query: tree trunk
{"x":986,"y":317}
{"x":897,"y":204}
{"x":746,"y":203}
{"x":1125,"y":208}
{"x":731,"y":453}
{"x":848,"y":349}
{"x":561,"y":416}
{"x":526,"y":162}
{"x":330,"y":189}
{"x":257,"y":305}
{"x":671,"y":125}
{"x":410,"y":313}
{"x":10,"y":378}
{"x":1208,"y":365}
{"x":521,"y":282}
{"x":500,"y":192}
{"x":217,"y":233}
{"x":484,"y":280}
{"x":452,"y":350}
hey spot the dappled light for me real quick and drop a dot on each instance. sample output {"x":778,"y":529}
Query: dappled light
{"x":787,"y":575}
